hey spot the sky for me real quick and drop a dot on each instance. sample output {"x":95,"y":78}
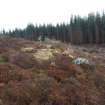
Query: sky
{"x":19,"y":13}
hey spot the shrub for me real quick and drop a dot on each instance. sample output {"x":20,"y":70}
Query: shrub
{"x":23,"y":60}
{"x":29,"y":92}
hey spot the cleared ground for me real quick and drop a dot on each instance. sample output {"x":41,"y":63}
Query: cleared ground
{"x":43,"y":73}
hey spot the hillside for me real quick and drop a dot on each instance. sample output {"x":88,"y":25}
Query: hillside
{"x":47,"y":73}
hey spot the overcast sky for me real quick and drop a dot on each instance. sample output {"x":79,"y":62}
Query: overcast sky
{"x":18,"y":13}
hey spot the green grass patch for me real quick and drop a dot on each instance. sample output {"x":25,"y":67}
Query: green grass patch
{"x":3,"y":59}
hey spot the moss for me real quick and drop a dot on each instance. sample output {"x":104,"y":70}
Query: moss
{"x":3,"y":59}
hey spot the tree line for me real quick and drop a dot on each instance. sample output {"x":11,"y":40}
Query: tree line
{"x":80,"y":30}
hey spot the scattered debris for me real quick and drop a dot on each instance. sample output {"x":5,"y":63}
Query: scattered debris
{"x":80,"y":60}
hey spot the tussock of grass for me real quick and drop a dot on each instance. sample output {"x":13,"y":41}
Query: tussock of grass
{"x":27,"y":49}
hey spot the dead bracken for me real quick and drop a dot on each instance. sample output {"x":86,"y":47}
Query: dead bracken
{"x":50,"y":74}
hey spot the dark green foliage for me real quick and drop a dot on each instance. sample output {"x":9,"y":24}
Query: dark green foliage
{"x":84,"y":30}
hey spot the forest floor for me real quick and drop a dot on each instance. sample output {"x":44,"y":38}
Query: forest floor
{"x":44,"y":73}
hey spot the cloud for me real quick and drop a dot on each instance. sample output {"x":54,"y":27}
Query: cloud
{"x":18,"y":13}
